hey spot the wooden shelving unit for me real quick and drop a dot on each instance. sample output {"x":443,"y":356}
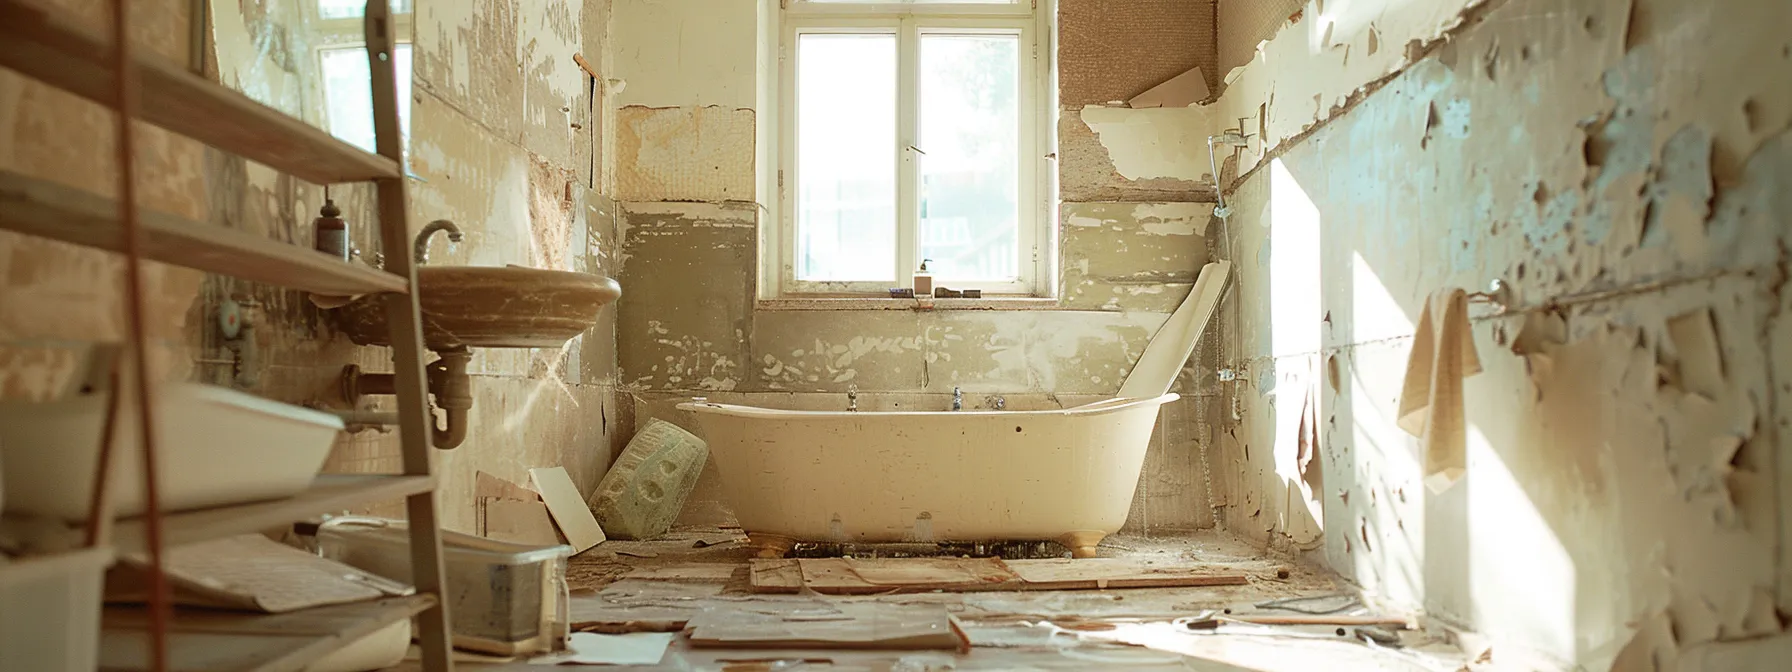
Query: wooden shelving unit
{"x":51,"y":210}
{"x":222,"y":642}
{"x":43,"y":44}
{"x":330,"y":493}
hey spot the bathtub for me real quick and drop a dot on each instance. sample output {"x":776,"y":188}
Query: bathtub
{"x":840,"y":476}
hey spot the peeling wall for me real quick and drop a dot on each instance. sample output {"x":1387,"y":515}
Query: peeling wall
{"x":1244,"y":23}
{"x":1623,"y":165}
{"x":504,"y":144}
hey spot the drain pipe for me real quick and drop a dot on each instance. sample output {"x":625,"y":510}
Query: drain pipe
{"x":448,"y":382}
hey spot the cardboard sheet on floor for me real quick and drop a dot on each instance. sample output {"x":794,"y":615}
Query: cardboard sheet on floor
{"x":711,"y":572}
{"x":586,"y":648}
{"x":861,"y":625}
{"x":518,"y":521}
{"x":846,"y":576}
{"x":250,"y":572}
{"x":568,"y":508}
{"x":1104,"y":573}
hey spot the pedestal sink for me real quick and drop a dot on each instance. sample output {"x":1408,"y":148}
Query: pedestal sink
{"x":490,"y":307}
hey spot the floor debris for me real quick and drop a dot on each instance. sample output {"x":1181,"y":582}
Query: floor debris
{"x":586,"y":648}
{"x":853,"y":576}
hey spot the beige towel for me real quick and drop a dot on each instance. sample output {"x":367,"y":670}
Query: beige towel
{"x":1443,"y":353}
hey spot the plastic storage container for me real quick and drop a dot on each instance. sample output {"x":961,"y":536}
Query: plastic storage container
{"x":503,"y":598}
{"x":50,"y":610}
{"x":217,"y":446}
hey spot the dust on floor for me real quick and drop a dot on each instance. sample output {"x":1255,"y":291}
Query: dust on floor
{"x":662,"y":585}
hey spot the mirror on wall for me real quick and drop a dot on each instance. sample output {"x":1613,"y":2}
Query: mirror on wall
{"x":308,"y":58}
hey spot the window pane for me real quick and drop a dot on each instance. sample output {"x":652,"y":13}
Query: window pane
{"x":846,"y":157}
{"x":352,"y":9}
{"x":970,"y":174}
{"x":348,"y":94}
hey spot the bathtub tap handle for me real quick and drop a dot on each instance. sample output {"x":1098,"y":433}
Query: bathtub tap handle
{"x":995,"y":402}
{"x":957,"y":398}
{"x":852,"y":397}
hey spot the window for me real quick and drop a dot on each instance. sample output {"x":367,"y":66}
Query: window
{"x":342,"y":58}
{"x":912,"y":131}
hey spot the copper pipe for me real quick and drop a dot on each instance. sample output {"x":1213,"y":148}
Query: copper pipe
{"x":126,"y":91}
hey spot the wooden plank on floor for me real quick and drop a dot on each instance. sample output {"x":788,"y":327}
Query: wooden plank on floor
{"x":856,"y":625}
{"x":1104,"y":573}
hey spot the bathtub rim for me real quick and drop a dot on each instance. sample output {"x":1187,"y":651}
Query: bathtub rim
{"x":1103,"y":407}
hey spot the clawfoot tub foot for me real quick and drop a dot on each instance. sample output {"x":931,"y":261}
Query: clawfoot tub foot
{"x":771,"y":545}
{"x":1082,"y":544}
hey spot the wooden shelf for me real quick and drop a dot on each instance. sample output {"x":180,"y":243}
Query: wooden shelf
{"x":42,"y":43}
{"x":328,"y":494}
{"x":50,"y":210}
{"x":210,"y":640}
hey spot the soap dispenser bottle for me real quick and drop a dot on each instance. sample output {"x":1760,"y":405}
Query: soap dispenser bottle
{"x":332,"y":231}
{"x":923,"y":280}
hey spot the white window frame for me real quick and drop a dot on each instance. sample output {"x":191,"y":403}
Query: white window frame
{"x":1037,"y":235}
{"x":344,"y":33}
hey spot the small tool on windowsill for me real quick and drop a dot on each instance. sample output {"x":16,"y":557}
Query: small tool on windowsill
{"x":902,"y":293}
{"x":944,"y":293}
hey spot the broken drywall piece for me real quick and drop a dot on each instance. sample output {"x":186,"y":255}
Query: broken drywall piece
{"x":568,"y":508}
{"x":857,"y":625}
{"x":1700,"y":355}
{"x":1182,"y":90}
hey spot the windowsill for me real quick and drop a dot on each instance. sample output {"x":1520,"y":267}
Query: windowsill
{"x":918,"y":304}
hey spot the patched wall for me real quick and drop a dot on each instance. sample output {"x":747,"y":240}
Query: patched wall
{"x":1623,"y":166}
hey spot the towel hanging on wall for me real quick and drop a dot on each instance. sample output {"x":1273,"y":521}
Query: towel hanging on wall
{"x":1443,"y":353}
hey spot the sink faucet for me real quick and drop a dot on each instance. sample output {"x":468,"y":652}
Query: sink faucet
{"x":420,"y":253}
{"x":957,"y":398}
{"x":852,"y":397}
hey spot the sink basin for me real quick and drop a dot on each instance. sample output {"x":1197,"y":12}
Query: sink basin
{"x":490,"y":307}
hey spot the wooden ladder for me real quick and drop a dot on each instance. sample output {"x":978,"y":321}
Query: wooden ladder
{"x":41,"y":43}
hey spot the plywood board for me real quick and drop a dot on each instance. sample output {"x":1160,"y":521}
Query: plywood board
{"x":568,"y":508}
{"x":864,"y":625}
{"x":712,"y":572}
{"x":848,"y":576}
{"x":1103,"y":573}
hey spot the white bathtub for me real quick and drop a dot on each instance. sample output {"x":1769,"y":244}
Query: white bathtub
{"x":1065,"y":474}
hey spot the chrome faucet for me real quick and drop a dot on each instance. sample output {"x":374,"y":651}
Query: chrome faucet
{"x":852,"y":397}
{"x":995,"y":402}
{"x":420,"y":252}
{"x":957,"y":398}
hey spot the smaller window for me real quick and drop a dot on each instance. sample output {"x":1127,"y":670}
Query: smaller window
{"x":348,"y":99}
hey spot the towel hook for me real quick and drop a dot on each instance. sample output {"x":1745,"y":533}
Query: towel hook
{"x":1498,"y":293}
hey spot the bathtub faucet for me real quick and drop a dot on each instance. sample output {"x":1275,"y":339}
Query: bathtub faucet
{"x":957,"y":398}
{"x":852,"y":397}
{"x":995,"y":402}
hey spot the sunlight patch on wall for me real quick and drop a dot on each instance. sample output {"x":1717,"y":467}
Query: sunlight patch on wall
{"x":1374,"y":315}
{"x":1512,"y":545}
{"x":1295,"y":312}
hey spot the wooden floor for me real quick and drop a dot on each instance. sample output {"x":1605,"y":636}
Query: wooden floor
{"x":621,"y":586}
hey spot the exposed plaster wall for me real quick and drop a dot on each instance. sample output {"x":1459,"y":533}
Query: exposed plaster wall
{"x":1628,"y":159}
{"x":689,"y":323}
{"x":1244,"y":23}
{"x":1108,"y":52}
{"x":503,"y":142}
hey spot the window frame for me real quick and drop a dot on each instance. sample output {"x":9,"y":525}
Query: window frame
{"x":351,"y":33}
{"x":1036,"y":235}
